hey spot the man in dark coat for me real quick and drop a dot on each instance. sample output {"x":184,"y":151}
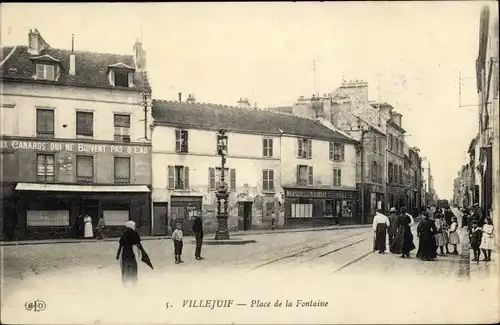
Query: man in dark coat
{"x":393,"y":219}
{"x":198,"y":233}
{"x":448,"y":215}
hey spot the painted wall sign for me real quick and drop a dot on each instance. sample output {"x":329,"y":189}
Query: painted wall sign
{"x":73,"y":147}
{"x":321,"y":194}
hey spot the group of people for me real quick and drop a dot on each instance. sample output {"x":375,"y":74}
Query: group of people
{"x":83,"y":228}
{"x":398,"y":227}
{"x":130,"y":247}
{"x":437,"y":232}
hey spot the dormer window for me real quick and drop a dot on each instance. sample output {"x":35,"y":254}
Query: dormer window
{"x":46,"y":67}
{"x":45,"y":71}
{"x":121,"y":75}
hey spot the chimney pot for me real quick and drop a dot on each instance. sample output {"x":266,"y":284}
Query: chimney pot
{"x":72,"y":64}
{"x":180,"y":97}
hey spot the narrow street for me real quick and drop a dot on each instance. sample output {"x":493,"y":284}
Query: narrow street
{"x":336,"y":266}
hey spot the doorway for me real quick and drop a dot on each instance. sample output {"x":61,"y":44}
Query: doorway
{"x":160,"y":217}
{"x":247,"y":215}
{"x":91,"y":208}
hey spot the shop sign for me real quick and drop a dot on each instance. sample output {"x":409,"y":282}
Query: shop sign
{"x":318,"y":194}
{"x":23,"y":145}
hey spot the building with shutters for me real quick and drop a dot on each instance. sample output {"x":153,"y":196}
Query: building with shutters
{"x":75,"y":139}
{"x":296,"y":168}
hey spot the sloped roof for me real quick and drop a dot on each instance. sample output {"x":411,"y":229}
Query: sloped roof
{"x":286,"y":109}
{"x":215,"y":117}
{"x":91,"y":67}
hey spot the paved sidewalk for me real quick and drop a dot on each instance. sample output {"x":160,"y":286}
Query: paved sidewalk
{"x":236,"y":233}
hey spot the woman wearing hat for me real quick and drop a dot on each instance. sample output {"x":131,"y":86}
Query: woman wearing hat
{"x":487,"y":239}
{"x":129,"y":241}
{"x":453,"y":238}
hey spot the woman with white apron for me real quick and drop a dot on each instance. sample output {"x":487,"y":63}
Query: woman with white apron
{"x":89,"y":232}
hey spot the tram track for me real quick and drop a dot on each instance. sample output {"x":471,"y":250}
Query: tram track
{"x":304,"y":251}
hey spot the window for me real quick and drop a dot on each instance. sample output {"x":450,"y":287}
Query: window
{"x":84,"y":169}
{"x":400,"y":177}
{"x":115,"y":217}
{"x":84,"y":124}
{"x":122,"y":170}
{"x":122,"y":127}
{"x":181,"y":141}
{"x":338,"y":152}
{"x":396,"y":174}
{"x":46,"y":72}
{"x":44,"y":218}
{"x":375,"y":144}
{"x":390,"y":141}
{"x":337,"y":177}
{"x":304,"y":148}
{"x":390,"y":173}
{"x":301,"y":210}
{"x":121,"y":78}
{"x":267,"y":146}
{"x":397,"y":145}
{"x":45,"y":168}
{"x":178,"y":177}
{"x":305,"y":175}
{"x":214,"y":178}
{"x":374,"y":172}
{"x":45,"y":123}
{"x":268,"y":180}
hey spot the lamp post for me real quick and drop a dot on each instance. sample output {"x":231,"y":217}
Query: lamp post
{"x":222,"y":195}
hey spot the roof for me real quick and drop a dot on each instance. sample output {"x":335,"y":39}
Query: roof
{"x":230,"y":118}
{"x":285,"y":109}
{"x":91,"y":67}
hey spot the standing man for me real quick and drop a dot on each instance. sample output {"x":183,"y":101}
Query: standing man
{"x":198,"y":233}
{"x":100,"y":228}
{"x":448,"y":215}
{"x":393,"y":227}
{"x":273,"y":221}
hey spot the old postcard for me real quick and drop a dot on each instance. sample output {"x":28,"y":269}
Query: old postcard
{"x":250,"y":163}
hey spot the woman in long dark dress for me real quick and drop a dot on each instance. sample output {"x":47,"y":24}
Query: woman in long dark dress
{"x":403,"y":242}
{"x":427,"y":242}
{"x":129,"y":239}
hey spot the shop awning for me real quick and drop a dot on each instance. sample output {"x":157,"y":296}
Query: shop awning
{"x":82,"y":188}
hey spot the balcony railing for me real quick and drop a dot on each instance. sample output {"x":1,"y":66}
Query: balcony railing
{"x":84,"y":179}
{"x":45,"y":134}
{"x":122,"y":180}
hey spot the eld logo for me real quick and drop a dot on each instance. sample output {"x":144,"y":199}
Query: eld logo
{"x":35,"y":305}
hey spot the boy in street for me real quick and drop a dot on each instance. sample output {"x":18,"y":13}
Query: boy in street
{"x":177,"y":238}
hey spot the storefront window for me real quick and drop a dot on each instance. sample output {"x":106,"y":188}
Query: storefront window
{"x":40,"y":218}
{"x":302,"y":209}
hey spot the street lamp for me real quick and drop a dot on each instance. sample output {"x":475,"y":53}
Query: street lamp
{"x":222,"y":195}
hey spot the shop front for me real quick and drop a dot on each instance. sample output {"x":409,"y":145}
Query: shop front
{"x":183,"y":209}
{"x":320,"y":207}
{"x":396,"y":197}
{"x":46,"y":211}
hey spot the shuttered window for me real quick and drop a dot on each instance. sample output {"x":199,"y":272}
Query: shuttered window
{"x":84,"y":124}
{"x":337,"y":177}
{"x":268,"y":180}
{"x":45,"y":168}
{"x":122,"y":170}
{"x":84,"y":169}
{"x":181,"y":141}
{"x":304,"y":150}
{"x":178,"y":177}
{"x":45,"y":123}
{"x":267,"y":146}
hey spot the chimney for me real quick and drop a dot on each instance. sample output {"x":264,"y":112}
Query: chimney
{"x":244,"y":103}
{"x":191,"y":99}
{"x":36,"y":43}
{"x":72,"y":57}
{"x":139,"y":56}
{"x":180,"y":96}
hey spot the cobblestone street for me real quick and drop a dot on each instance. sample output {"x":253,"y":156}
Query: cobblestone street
{"x":336,"y":266}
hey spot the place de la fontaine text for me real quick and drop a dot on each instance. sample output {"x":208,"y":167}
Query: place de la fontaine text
{"x":225,"y":303}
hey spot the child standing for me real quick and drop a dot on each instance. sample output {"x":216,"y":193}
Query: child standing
{"x":475,"y":240}
{"x":453,"y":237}
{"x":487,"y":239}
{"x":441,"y":234}
{"x":177,"y":238}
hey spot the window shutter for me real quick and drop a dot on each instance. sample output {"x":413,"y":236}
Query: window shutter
{"x":186,"y":178}
{"x":330,"y":150}
{"x":298,"y":174}
{"x":300,"y":148}
{"x":211,"y":178}
{"x":232,"y":180}
{"x":171,"y":177}
{"x":264,"y":146}
{"x":270,"y":175}
{"x":177,"y":140}
{"x":311,"y":178}
{"x":309,"y":149}
{"x":264,"y":180}
{"x":111,"y":77}
{"x":339,"y":177}
{"x":270,"y":146}
{"x":185,"y":147}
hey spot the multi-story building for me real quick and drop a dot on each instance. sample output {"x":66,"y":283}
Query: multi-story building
{"x":75,"y":139}
{"x":396,"y":188}
{"x":296,"y":167}
{"x":415,"y":180}
{"x":488,"y":91}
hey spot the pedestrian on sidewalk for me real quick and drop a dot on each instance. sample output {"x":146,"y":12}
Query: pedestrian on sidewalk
{"x":441,"y":236}
{"x":100,"y":228}
{"x":198,"y":233}
{"x":427,"y":242}
{"x":129,"y":241}
{"x":448,"y":215}
{"x":403,"y":242}
{"x":89,"y":232}
{"x":453,"y":238}
{"x":177,"y":239}
{"x":273,"y":221}
{"x":380,"y":225}
{"x":393,"y":227}
{"x":487,"y":242}
{"x":475,"y":240}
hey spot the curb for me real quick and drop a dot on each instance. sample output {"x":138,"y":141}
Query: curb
{"x":146,"y":238}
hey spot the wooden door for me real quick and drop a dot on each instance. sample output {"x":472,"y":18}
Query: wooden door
{"x":160,"y":216}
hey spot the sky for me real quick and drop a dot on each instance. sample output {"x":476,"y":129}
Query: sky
{"x":410,"y":53}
